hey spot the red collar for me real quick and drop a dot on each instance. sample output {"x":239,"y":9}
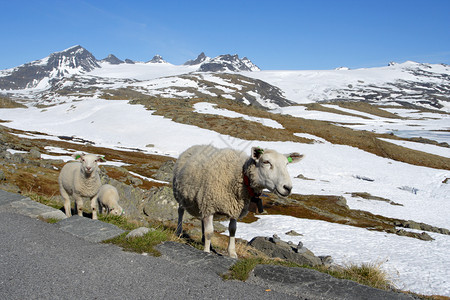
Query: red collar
{"x":250,"y":190}
{"x":254,"y":197}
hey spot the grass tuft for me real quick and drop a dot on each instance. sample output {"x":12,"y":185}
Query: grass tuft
{"x":120,"y":221}
{"x":371,"y":274}
{"x":49,"y":220}
{"x":242,"y":268}
{"x":44,"y":200}
{"x":146,"y":243}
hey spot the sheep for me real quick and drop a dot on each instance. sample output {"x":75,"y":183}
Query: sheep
{"x":80,"y":179}
{"x":108,"y":199}
{"x":210,"y":182}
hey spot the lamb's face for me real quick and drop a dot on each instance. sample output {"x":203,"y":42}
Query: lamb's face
{"x":272,"y":171}
{"x":89,"y":162}
{"x":118,"y":211}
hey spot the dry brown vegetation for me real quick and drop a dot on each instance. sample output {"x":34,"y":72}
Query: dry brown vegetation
{"x":9,"y":103}
{"x":181,"y":110}
{"x":34,"y":179}
{"x":44,"y":181}
{"x":367,"y":108}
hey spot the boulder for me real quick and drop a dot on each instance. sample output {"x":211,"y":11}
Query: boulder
{"x":165,"y":172}
{"x":275,"y":247}
{"x":161,"y":205}
{"x":141,"y":231}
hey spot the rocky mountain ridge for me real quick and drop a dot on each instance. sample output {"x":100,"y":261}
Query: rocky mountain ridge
{"x":74,"y":60}
{"x":76,"y":70}
{"x":78,"y":60}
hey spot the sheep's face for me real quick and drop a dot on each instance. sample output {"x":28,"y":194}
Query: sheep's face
{"x":271,"y":168}
{"x":118,"y":211}
{"x":89,"y":162}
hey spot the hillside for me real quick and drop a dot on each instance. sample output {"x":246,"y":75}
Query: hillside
{"x":376,"y":145}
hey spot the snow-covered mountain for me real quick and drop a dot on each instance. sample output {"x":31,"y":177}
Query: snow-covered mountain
{"x":157,"y":59}
{"x":228,"y":62}
{"x":74,"y":60}
{"x":407,"y":84}
{"x":112,"y":59}
{"x":201,"y":58}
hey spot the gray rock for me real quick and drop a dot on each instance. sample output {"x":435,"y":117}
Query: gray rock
{"x":34,"y":153}
{"x":280,"y":249}
{"x":187,"y":255}
{"x":314,"y":285}
{"x":161,"y":205}
{"x":134,"y":181}
{"x":141,"y":231}
{"x":425,"y":236}
{"x":88,"y":229}
{"x":326,"y":260}
{"x":165,"y":172}
{"x":293,"y":233}
{"x":56,"y":214}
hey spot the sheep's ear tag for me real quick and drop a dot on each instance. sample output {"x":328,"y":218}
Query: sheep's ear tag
{"x":259,"y":151}
{"x":103,"y":159}
{"x":289,"y":159}
{"x":78,"y":157}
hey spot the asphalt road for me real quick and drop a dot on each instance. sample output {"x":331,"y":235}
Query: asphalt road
{"x":66,"y":260}
{"x":39,"y":261}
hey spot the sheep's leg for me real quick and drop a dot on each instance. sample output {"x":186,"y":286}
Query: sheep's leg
{"x":67,"y":206}
{"x":94,"y":207}
{"x":79,"y":204}
{"x":208,"y":232}
{"x":232,"y":244}
{"x":179,"y":231}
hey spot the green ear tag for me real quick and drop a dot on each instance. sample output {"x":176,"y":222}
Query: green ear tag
{"x":289,"y":159}
{"x":78,"y":156}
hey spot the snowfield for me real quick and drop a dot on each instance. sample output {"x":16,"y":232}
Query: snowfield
{"x":416,"y":265}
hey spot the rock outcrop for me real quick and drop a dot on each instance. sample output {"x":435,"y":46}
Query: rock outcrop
{"x":276,"y":248}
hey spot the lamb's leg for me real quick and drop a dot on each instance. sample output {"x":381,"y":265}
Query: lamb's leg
{"x":179,"y":231}
{"x":208,"y":232}
{"x":79,"y":203}
{"x":66,"y":198}
{"x":232,"y":244}
{"x":94,"y":207}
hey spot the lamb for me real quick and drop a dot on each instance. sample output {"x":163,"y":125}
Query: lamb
{"x":210,"y":182}
{"x":80,"y":179}
{"x":108,"y":199}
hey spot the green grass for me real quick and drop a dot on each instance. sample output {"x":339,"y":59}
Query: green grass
{"x":120,"y":221}
{"x":370,"y":274}
{"x":49,"y":220}
{"x":146,"y":243}
{"x":242,"y":268}
{"x":44,"y":200}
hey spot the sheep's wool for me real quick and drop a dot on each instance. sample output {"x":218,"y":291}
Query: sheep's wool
{"x":209,"y":181}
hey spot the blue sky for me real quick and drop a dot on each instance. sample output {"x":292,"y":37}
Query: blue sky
{"x":275,"y":35}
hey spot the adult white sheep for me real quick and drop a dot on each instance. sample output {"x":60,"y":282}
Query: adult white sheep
{"x":108,"y":199}
{"x":209,"y":181}
{"x":80,"y":179}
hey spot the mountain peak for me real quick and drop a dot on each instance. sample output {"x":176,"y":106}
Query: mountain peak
{"x":73,"y":60}
{"x":157,"y":59}
{"x":228,"y":62}
{"x":200,"y":59}
{"x":112,"y":59}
